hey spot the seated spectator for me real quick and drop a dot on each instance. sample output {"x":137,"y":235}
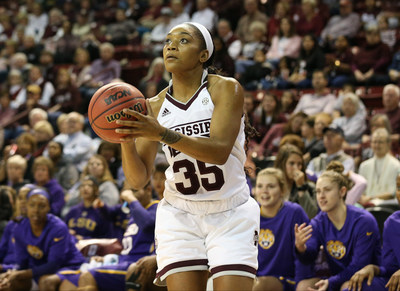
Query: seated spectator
{"x":232,"y":42}
{"x":81,"y":26}
{"x":65,"y":172}
{"x":391,"y":107}
{"x":389,"y":36}
{"x":321,"y":100}
{"x":47,"y":66}
{"x":381,"y":170}
{"x":307,"y":133}
{"x":205,"y":15}
{"x":357,"y":183}
{"x":281,"y":10}
{"x":150,"y":15}
{"x":97,"y":167}
{"x":15,"y":171}
{"x":102,"y":71}
{"x":80,"y":67}
{"x":278,"y":267}
{"x":266,"y":115}
{"x":26,"y":146}
{"x":222,"y":59}
{"x":43,"y":169}
{"x":290,"y":161}
{"x":157,"y":35}
{"x":252,"y":14}
{"x":321,"y":121}
{"x":55,"y":22}
{"x":8,"y":129}
{"x":77,"y":145}
{"x":179,"y":13}
{"x":47,"y":88}
{"x":338,"y":64}
{"x":112,"y":153}
{"x":156,"y":74}
{"x":341,"y":230}
{"x":138,"y":242}
{"x":394,"y":68}
{"x":311,"y":59}
{"x":43,"y":246}
{"x":347,"y":88}
{"x":43,"y":133}
{"x":122,"y":31}
{"x":288,"y":103}
{"x":83,"y":220}
{"x":16,"y":88}
{"x":19,"y":61}
{"x":371,"y":61}
{"x":285,"y":43}
{"x":31,"y":49}
{"x":255,"y":43}
{"x":253,"y":75}
{"x":352,"y":122}
{"x":333,"y":142}
{"x":382,"y":276}
{"x":65,"y":44}
{"x":347,"y":23}
{"x":310,"y":20}
{"x":37,"y":21}
{"x":369,"y":12}
{"x":7,"y":198}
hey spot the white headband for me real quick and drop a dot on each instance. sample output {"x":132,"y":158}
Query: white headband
{"x":207,"y":37}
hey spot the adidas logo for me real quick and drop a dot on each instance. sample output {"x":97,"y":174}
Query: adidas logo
{"x":165,"y":112}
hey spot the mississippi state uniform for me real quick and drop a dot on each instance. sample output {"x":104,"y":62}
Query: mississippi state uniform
{"x":53,"y":250}
{"x":276,"y":249}
{"x":88,"y":222}
{"x":191,"y":232}
{"x":347,"y":250}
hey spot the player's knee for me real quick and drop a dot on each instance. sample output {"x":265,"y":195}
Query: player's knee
{"x":131,"y":269}
{"x":86,"y":279}
{"x":49,"y":283}
{"x":303,"y":285}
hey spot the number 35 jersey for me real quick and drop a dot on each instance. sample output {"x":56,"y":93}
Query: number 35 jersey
{"x":220,"y":187}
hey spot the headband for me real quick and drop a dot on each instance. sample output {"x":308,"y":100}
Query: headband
{"x":38,"y":191}
{"x":207,"y":37}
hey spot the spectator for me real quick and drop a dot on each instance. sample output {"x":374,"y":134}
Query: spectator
{"x":43,"y":246}
{"x":43,"y":133}
{"x":321,"y":100}
{"x":112,"y":153}
{"x":232,"y":42}
{"x":288,"y":102}
{"x":252,"y":14}
{"x":26,"y":146}
{"x":333,"y":142}
{"x":309,"y":20}
{"x":290,"y":161}
{"x":47,"y":67}
{"x":389,"y":36}
{"x":180,"y":15}
{"x":273,"y":24}
{"x":65,"y":172}
{"x":381,"y":170}
{"x":156,"y":74}
{"x":371,"y":62}
{"x":81,"y":27}
{"x":43,"y":170}
{"x":65,"y":44}
{"x":83,"y":220}
{"x":278,"y":267}
{"x":47,"y":88}
{"x":284,"y":43}
{"x":54,"y":23}
{"x":122,"y":31}
{"x":338,"y":64}
{"x":369,"y":12}
{"x":16,"y":88}
{"x":205,"y":15}
{"x":391,"y":107}
{"x":347,"y":88}
{"x":37,"y":21}
{"x":267,"y":114}
{"x":342,"y":232}
{"x":394,"y":68}
{"x":19,"y":61}
{"x":307,"y":133}
{"x":102,"y":71}
{"x":149,"y":18}
{"x":67,"y":97}
{"x":352,"y":122}
{"x":80,"y":67}
{"x":158,"y":33}
{"x":31,"y":49}
{"x":16,"y":167}
{"x":254,"y":74}
{"x":8,"y":129}
{"x":77,"y":145}
{"x":222,"y":59}
{"x":311,"y":59}
{"x":347,"y":23}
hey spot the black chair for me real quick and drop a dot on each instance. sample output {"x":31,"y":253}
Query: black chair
{"x":380,"y":214}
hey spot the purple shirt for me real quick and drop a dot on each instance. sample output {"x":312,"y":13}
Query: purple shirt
{"x":88,"y":222}
{"x":52,"y":250}
{"x":391,"y":249}
{"x":7,"y":251}
{"x":276,"y":250}
{"x":56,"y":193}
{"x":138,"y":238}
{"x":347,"y":250}
{"x":119,"y":219}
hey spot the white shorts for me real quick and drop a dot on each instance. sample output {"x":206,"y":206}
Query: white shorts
{"x":224,"y":243}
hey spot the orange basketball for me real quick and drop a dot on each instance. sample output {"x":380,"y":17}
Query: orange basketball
{"x":106,"y":107}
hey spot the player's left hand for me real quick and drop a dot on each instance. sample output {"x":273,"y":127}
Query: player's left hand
{"x":394,"y":282}
{"x":321,"y":285}
{"x":145,"y":126}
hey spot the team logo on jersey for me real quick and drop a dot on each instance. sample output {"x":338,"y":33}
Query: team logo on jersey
{"x":84,"y":213}
{"x":266,"y":238}
{"x":131,"y":230}
{"x":336,"y":249}
{"x":165,"y":112}
{"x":35,"y":252}
{"x":205,"y":100}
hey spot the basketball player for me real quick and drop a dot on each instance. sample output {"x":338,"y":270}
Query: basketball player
{"x":279,"y":268}
{"x":349,"y":235}
{"x":207,"y":220}
{"x":43,"y":246}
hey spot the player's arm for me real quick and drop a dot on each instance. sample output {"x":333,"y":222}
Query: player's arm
{"x":227,"y":95}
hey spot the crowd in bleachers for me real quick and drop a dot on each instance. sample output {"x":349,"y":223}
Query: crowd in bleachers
{"x":321,"y":84}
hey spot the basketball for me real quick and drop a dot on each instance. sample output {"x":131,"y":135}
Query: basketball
{"x":106,"y":107}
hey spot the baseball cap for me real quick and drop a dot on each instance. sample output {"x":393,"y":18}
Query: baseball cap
{"x":335,"y":128}
{"x":35,"y":89}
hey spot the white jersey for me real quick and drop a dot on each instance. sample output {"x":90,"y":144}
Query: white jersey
{"x":191,"y":180}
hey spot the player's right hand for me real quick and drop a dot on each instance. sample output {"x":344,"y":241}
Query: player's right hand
{"x":302,"y":234}
{"x":356,"y":280}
